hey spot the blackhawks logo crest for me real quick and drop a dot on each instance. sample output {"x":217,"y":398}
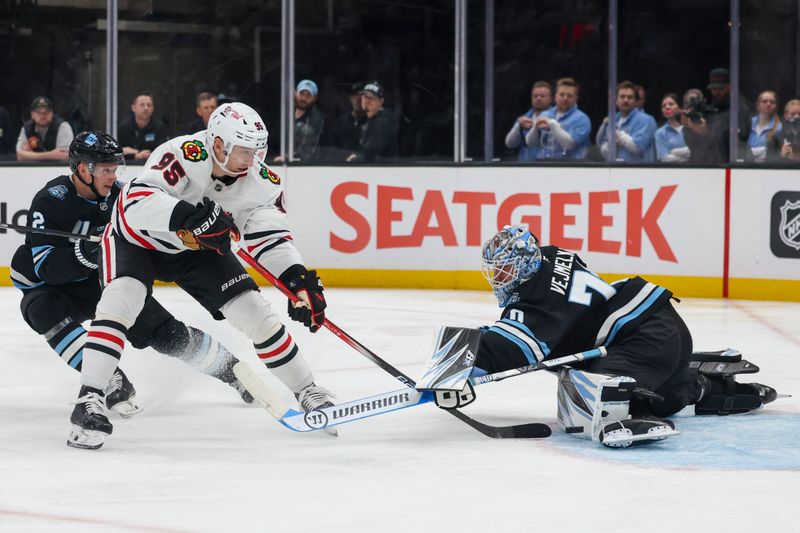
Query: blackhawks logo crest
{"x":268,"y":174}
{"x":194,"y":151}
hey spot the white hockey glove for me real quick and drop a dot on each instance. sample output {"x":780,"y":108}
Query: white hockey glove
{"x":450,"y":399}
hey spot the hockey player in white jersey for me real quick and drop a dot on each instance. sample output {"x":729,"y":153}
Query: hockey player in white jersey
{"x":174,"y":222}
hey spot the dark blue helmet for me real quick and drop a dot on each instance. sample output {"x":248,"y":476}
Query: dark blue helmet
{"x":94,"y":147}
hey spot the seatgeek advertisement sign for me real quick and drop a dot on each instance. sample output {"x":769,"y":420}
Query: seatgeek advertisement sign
{"x":709,"y":227}
{"x":656,"y":221}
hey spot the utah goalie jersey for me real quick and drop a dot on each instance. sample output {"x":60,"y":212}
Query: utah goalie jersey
{"x":564,"y":309}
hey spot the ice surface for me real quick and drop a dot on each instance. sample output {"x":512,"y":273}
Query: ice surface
{"x":198,"y":459}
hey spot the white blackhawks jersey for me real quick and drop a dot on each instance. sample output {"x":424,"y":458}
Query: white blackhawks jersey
{"x":180,"y":169}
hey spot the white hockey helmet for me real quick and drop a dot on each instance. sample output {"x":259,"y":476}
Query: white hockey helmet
{"x":237,"y":124}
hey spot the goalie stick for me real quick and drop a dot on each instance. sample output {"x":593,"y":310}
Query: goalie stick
{"x":378,"y":404}
{"x":524,"y":431}
{"x":544,"y":365}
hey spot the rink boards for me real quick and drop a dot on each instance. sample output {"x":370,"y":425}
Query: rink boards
{"x":701,"y":232}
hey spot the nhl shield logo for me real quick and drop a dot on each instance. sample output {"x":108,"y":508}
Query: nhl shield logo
{"x":789,"y":226}
{"x":784,"y":225}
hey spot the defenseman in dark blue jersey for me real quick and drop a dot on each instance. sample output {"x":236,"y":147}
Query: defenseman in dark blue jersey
{"x":554,"y":306}
{"x":59,"y":281}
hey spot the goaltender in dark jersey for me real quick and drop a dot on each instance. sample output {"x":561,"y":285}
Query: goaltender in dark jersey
{"x":50,"y":259}
{"x":564,"y":309}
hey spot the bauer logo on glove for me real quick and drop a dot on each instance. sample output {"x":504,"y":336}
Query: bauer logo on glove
{"x":209,"y":228}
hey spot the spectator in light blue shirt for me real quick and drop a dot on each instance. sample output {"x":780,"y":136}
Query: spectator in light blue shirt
{"x":670,"y":146}
{"x":541,"y":100}
{"x":635,"y":131}
{"x":562,"y":132}
{"x":764,"y":126}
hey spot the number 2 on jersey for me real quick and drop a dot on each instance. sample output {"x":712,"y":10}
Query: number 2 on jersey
{"x":173,"y":171}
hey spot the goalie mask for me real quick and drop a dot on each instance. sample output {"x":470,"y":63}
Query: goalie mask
{"x":240,"y":127}
{"x":510,"y":258}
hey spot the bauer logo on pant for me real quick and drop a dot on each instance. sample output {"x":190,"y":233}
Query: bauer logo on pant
{"x":785,"y":224}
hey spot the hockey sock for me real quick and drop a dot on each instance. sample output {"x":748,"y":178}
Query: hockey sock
{"x":67,"y":339}
{"x":104,"y":344}
{"x":205,"y":354}
{"x":281,"y":355}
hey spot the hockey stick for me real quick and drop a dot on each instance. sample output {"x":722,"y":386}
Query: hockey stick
{"x":52,"y":232}
{"x":378,"y":404}
{"x":544,"y":365}
{"x":532,"y":430}
{"x":325,"y":417}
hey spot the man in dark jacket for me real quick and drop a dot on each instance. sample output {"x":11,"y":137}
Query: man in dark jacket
{"x":378,"y":140}
{"x":341,"y":139}
{"x":140,"y":133}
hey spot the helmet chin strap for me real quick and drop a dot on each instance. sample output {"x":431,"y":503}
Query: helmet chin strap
{"x":91,"y":182}
{"x":222,"y":164}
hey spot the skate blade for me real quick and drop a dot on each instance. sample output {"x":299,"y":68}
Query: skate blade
{"x":85,"y":439}
{"x":625,"y":438}
{"x":127,"y":409}
{"x":333,"y":432}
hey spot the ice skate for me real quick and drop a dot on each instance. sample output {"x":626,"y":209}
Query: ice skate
{"x":89,"y":422}
{"x":724,"y":396}
{"x":314,"y":397}
{"x":636,"y":431}
{"x":121,"y":395}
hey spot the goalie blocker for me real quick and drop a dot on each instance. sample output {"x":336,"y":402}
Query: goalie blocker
{"x":448,"y":370}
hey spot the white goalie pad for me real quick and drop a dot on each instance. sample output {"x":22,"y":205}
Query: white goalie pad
{"x":596,"y":407}
{"x":588,"y":402}
{"x":452,"y":361}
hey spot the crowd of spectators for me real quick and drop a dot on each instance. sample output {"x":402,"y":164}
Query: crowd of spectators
{"x":368,"y":133}
{"x":694,"y":128}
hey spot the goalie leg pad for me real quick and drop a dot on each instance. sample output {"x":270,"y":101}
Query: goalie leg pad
{"x":726,"y":362}
{"x":596,"y":407}
{"x":450,"y":399}
{"x":587,"y":402}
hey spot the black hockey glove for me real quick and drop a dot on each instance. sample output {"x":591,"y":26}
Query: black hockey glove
{"x":209,"y":228}
{"x":310,"y":306}
{"x":86,"y":252}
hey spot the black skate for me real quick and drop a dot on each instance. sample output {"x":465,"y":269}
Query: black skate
{"x":121,"y":395}
{"x":719,"y":393}
{"x":636,"y":431}
{"x":724,"y":396}
{"x":89,"y":422}
{"x":314,"y":397}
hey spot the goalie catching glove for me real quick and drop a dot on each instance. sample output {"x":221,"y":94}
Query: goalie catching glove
{"x":310,"y":305}
{"x":208,"y":228}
